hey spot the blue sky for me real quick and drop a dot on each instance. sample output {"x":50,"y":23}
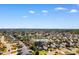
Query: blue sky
{"x":39,"y":16}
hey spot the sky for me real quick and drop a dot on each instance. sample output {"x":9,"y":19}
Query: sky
{"x":48,"y":16}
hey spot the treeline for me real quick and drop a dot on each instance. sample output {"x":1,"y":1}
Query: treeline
{"x":38,"y":30}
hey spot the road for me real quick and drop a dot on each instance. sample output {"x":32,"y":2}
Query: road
{"x":25,"y":50}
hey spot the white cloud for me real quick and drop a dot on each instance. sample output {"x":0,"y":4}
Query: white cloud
{"x":31,"y":11}
{"x":73,"y":10}
{"x":60,"y":8}
{"x":45,"y":11}
{"x":24,"y":16}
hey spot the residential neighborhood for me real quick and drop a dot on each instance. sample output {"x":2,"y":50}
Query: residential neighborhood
{"x":39,"y":42}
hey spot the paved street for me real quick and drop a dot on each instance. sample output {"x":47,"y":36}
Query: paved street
{"x":25,"y":49}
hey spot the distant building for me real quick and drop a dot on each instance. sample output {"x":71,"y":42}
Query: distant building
{"x":42,"y":40}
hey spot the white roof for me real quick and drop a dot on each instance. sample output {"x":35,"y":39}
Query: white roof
{"x":43,"y":40}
